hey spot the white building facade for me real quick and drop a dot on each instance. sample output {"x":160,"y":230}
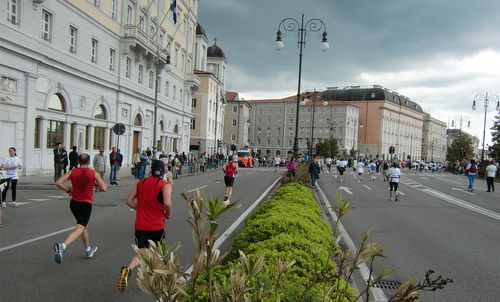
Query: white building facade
{"x":70,"y":70}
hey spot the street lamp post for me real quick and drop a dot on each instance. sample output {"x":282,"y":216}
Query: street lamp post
{"x":159,"y":66}
{"x":485,"y":98}
{"x":292,"y":25}
{"x":313,"y":100}
{"x":460,"y":119}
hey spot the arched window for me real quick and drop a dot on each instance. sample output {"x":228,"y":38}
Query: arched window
{"x":162,"y":126}
{"x":138,"y":120}
{"x":176,"y":129}
{"x":57,"y":102}
{"x":100,"y":113}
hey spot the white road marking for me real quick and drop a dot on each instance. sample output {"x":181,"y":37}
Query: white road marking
{"x":196,"y":189}
{"x":462,"y":190}
{"x":401,"y":193}
{"x":425,"y":178}
{"x":367,"y":187}
{"x":238,"y":221}
{"x":9,"y":247}
{"x":39,"y":199}
{"x":453,"y":200}
{"x":59,"y":196}
{"x":346,"y":189}
{"x":219,"y":181}
{"x":20,"y":203}
{"x":377,"y":294}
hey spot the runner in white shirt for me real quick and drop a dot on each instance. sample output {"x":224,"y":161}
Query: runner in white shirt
{"x":328,"y":162}
{"x":360,"y":169}
{"x":277,"y":161}
{"x":394,"y":176}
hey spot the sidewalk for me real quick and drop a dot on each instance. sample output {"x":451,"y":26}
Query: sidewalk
{"x":46,"y":181}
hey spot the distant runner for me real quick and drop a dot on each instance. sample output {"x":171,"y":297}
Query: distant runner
{"x":230,"y":169}
{"x":394,"y":176}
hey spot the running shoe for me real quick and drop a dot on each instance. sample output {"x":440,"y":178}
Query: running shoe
{"x":397,"y":198}
{"x":91,"y":252}
{"x":14,"y":205}
{"x":123,"y":279}
{"x":4,"y":205}
{"x":59,"y":256}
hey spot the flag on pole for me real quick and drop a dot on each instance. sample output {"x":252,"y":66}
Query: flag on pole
{"x":173,"y":8}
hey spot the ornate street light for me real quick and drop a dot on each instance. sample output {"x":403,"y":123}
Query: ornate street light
{"x":485,"y":98}
{"x":302,"y":29}
{"x":311,"y":96}
{"x":159,"y":66}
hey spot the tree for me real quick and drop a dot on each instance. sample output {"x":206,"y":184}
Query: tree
{"x":329,"y":147}
{"x":495,"y":136}
{"x":461,"y":148}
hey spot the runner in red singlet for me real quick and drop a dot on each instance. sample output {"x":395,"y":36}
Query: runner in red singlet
{"x":83,"y":180}
{"x":230,"y":169}
{"x":152,"y":200}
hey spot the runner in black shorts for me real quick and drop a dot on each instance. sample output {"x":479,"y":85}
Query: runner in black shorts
{"x":83,"y":179}
{"x":230,"y":169}
{"x":394,"y":176}
{"x":152,"y":200}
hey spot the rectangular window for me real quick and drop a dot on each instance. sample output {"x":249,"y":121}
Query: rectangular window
{"x":139,"y":75}
{"x":73,"y":39}
{"x":193,"y":124}
{"x":47,"y":19}
{"x":93,"y":50}
{"x":99,"y":133}
{"x":235,"y":108}
{"x":114,"y":9}
{"x":38,"y":122}
{"x":96,"y":2}
{"x":234,"y":123}
{"x":127,"y":67}
{"x":141,"y":21}
{"x":193,"y":103}
{"x":130,"y":13}
{"x":233,"y":137}
{"x":112,"y":55}
{"x":55,"y":133}
{"x":151,"y":79}
{"x":175,"y":92}
{"x":13,"y":11}
{"x":167,"y":87}
{"x":181,"y":96}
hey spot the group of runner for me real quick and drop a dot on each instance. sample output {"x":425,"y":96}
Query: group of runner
{"x":390,"y":171}
{"x":151,"y":198}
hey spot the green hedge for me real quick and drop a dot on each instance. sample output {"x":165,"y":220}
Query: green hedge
{"x":288,"y":226}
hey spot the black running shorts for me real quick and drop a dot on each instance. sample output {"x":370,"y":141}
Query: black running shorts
{"x":81,"y":211}
{"x":142,"y":237}
{"x":393,"y":186}
{"x":341,"y":170}
{"x":229,"y":181}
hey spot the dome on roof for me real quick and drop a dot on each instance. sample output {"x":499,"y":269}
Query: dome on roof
{"x":215,"y":51}
{"x":200,"y":31}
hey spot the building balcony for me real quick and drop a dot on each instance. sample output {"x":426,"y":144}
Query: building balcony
{"x":192,"y":81}
{"x":141,"y":42}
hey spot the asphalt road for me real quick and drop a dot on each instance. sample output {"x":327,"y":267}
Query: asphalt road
{"x":437,"y":225}
{"x":27,"y":268}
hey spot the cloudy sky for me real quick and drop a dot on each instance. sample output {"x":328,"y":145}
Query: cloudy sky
{"x":439,"y":53}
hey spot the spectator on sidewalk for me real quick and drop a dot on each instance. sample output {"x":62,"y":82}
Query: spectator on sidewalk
{"x":99,"y":164}
{"x":176,"y":166}
{"x":10,"y":165}
{"x":491,"y":171}
{"x":73,"y":159}
{"x":114,"y":163}
{"x":143,"y":164}
{"x":136,"y":160}
{"x":66,"y":161}
{"x":120,"y":160}
{"x":58,"y":161}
